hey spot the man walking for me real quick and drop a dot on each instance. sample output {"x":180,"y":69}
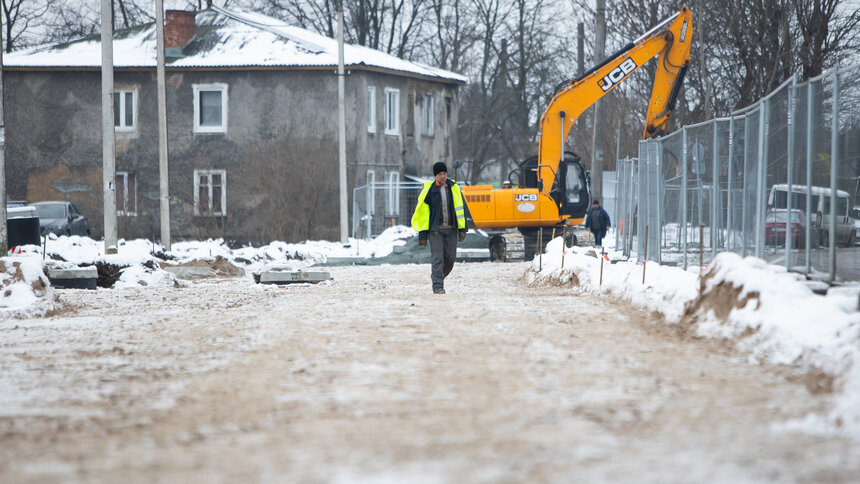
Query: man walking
{"x":440,"y":217}
{"x":597,"y":221}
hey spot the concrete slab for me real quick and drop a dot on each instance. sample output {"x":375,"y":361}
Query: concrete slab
{"x":292,"y":277}
{"x":347,"y":260}
{"x":73,"y":278}
{"x":473,"y":255}
{"x":191,"y":272}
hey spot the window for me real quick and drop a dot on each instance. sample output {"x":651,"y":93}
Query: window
{"x":123,"y":110}
{"x":210,"y":192}
{"x":126,"y":194}
{"x":210,"y":108}
{"x":371,"y":109}
{"x":392,"y":111}
{"x":392,"y":199}
{"x":428,"y":115}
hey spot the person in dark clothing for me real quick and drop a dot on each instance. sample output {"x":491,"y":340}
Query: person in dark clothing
{"x":597,"y":221}
{"x":440,"y":217}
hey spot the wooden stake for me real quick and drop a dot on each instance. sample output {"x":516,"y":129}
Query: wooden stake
{"x":645,"y":260}
{"x":601,"y":266}
{"x":563,"y":242}
{"x":540,"y":252}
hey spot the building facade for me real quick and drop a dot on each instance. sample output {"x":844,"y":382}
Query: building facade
{"x":252,"y":127}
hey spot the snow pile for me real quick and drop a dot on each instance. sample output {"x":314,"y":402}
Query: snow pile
{"x":143,"y":276}
{"x":24,"y":289}
{"x":141,"y":262}
{"x":666,"y":290}
{"x":768,"y":313}
{"x":295,"y":255}
{"x":134,"y":264}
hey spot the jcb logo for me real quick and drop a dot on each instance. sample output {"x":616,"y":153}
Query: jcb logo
{"x":616,"y":74}
{"x":526,"y":197}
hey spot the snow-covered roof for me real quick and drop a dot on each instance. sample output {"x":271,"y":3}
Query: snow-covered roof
{"x":225,"y":39}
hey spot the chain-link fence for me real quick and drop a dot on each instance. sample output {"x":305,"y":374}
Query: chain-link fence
{"x":777,"y":180}
{"x":377,"y":206}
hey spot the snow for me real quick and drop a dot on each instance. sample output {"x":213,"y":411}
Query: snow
{"x":244,"y":39}
{"x":26,"y":291}
{"x":142,"y":268}
{"x":782,"y":323}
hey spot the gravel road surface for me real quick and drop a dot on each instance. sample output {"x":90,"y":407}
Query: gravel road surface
{"x":371,"y":378}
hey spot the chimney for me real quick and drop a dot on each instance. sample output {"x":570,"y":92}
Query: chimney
{"x":179,"y":29}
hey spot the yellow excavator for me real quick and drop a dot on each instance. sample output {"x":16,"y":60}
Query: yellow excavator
{"x":551,"y":190}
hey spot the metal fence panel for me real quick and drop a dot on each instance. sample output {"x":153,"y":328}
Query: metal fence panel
{"x":378,"y":206}
{"x":778,"y":180}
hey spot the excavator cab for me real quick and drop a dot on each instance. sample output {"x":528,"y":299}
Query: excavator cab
{"x":570,"y":188}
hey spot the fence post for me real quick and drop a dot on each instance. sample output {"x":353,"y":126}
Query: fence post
{"x":809,"y":100}
{"x":683,"y":224}
{"x":759,"y":207}
{"x":834,"y":172}
{"x":658,"y":175}
{"x":729,"y":197}
{"x":745,"y":239}
{"x":716,"y":193}
{"x":701,"y":257}
{"x":790,"y":157}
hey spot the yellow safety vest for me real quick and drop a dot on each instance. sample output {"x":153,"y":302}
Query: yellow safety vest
{"x":421,"y":217}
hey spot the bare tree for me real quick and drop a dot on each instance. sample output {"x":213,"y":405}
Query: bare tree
{"x":826,"y":33}
{"x":20,"y":18}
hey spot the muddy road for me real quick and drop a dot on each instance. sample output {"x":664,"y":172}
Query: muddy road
{"x":372,"y":378}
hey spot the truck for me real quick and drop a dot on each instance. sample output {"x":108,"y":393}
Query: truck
{"x":551,"y":191}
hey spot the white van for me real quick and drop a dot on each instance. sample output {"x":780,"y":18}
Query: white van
{"x":820,"y":216}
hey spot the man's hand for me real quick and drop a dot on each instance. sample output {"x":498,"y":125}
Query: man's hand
{"x":422,"y":242}
{"x":462,"y":235}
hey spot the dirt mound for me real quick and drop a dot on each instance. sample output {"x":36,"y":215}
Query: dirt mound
{"x":219,"y":266}
{"x":721,"y":299}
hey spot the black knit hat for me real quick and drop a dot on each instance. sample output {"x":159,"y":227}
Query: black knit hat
{"x":439,"y":167}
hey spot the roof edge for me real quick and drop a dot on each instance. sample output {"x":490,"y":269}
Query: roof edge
{"x":348,"y":67}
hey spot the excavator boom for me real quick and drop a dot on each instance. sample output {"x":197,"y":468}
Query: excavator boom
{"x":552,"y":188}
{"x":670,"y":40}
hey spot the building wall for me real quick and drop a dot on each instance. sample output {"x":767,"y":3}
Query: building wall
{"x":279,"y":151}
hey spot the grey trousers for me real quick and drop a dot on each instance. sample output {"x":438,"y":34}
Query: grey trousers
{"x":443,"y":253}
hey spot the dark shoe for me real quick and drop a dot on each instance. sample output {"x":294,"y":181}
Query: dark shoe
{"x":438,"y":291}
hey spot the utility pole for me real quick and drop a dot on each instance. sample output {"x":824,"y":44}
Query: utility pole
{"x":580,"y":49}
{"x":163,"y":185}
{"x":108,"y":141}
{"x":597,"y":139}
{"x":4,"y":232}
{"x":341,"y":125}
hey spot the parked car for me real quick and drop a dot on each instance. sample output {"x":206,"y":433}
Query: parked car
{"x":61,"y":218}
{"x":776,"y":229}
{"x":820,"y":217}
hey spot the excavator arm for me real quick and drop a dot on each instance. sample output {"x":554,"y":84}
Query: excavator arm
{"x":670,"y":40}
{"x":551,"y":188}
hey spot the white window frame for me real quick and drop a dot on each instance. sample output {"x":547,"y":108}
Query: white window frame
{"x":122,"y":108}
{"x":392,"y":111}
{"x":428,"y":116}
{"x":124,"y":175}
{"x":218,"y":86}
{"x":198,"y":174}
{"x":392,"y":200}
{"x":371,"y":109}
